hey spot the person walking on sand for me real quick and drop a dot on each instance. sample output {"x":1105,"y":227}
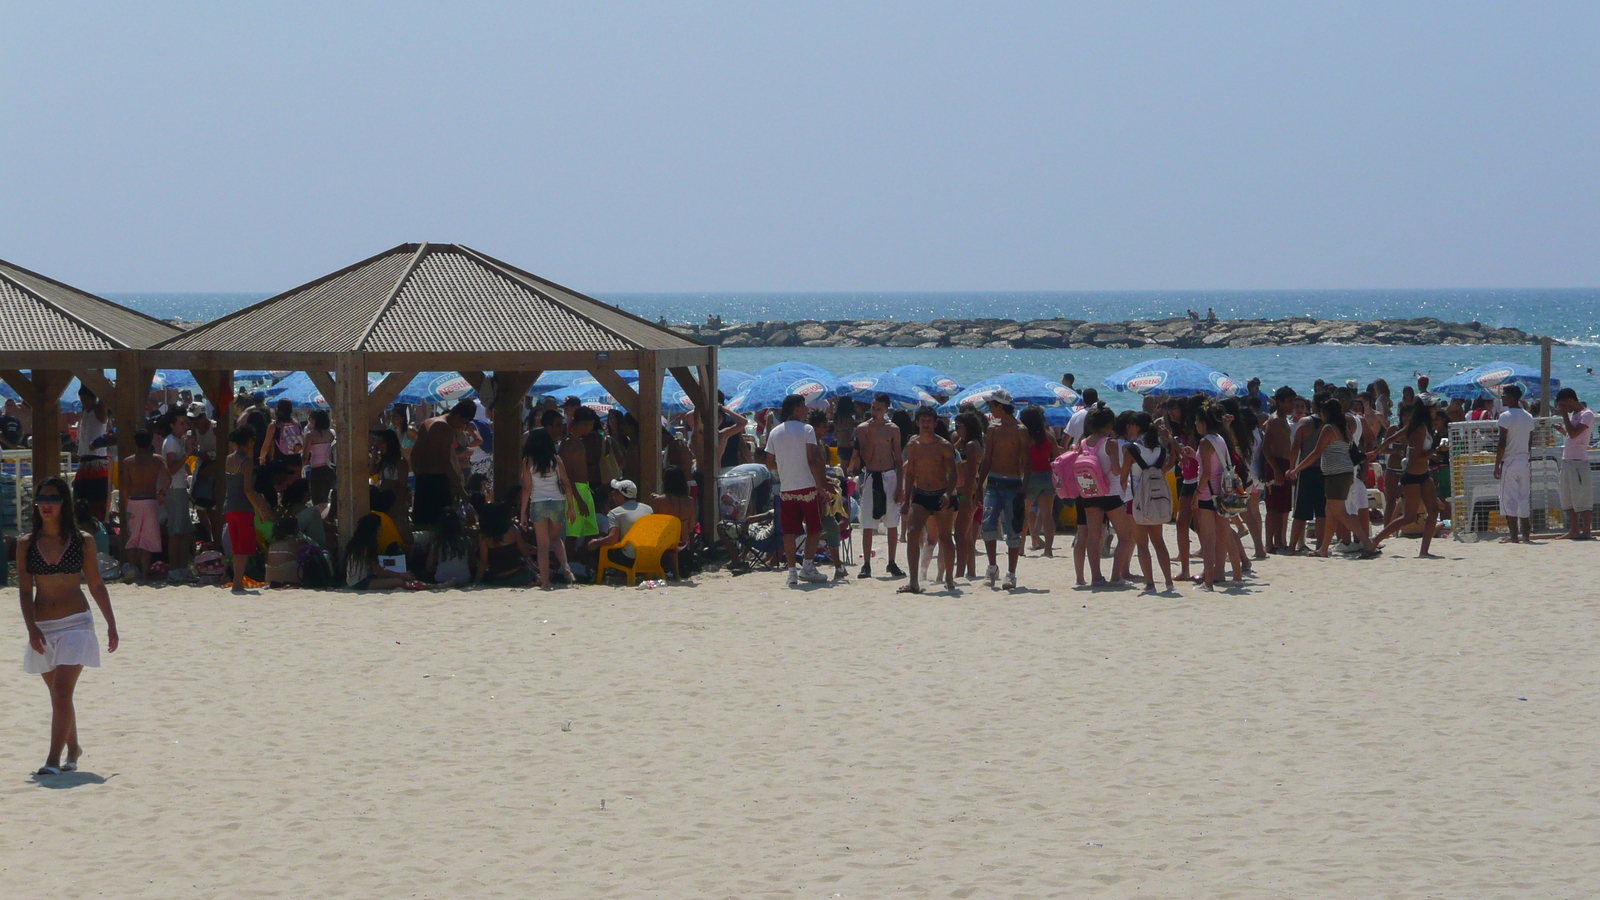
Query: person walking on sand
{"x":878,"y":447}
{"x":1572,"y":476}
{"x":930,"y":483}
{"x":1512,"y":466}
{"x":141,"y":477}
{"x":1417,"y":490}
{"x":1003,"y":472}
{"x":60,"y":627}
{"x":794,"y":453}
{"x":1275,"y":465}
{"x":242,"y":503}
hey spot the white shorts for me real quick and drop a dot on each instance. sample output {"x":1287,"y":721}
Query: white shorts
{"x":1356,"y":500}
{"x":1572,"y":483}
{"x":1516,"y":488}
{"x":891,"y":509}
{"x":68,"y":641}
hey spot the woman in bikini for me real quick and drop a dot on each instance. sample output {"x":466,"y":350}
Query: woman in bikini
{"x":1418,"y":494}
{"x":61,"y":638}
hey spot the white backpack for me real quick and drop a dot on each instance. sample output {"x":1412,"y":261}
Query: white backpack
{"x":1152,"y":494}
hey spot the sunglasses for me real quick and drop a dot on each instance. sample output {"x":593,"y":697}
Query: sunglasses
{"x":49,"y":500}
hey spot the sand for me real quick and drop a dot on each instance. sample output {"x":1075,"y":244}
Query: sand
{"x":1394,"y":728}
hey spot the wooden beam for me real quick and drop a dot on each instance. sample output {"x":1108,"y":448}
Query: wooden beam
{"x":506,"y":417}
{"x":19,"y":382}
{"x":690,"y":384}
{"x":350,"y":408}
{"x":708,"y":423}
{"x":324,"y":382}
{"x":383,"y":394}
{"x":65,"y":360}
{"x":97,"y":381}
{"x":649,"y":415}
{"x":620,"y":389}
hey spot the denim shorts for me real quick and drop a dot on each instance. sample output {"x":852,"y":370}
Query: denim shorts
{"x":1000,"y":510}
{"x":552,"y":511}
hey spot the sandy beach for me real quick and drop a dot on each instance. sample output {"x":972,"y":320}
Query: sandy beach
{"x":1394,"y":728}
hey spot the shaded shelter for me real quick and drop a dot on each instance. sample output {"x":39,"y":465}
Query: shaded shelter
{"x":56,"y":331}
{"x":432,"y":307}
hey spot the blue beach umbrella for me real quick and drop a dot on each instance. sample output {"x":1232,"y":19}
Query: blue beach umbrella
{"x":929,"y":379}
{"x":252,"y":375}
{"x":300,"y":391}
{"x":1487,"y":380}
{"x":732,"y":381}
{"x":768,"y":391}
{"x":1174,"y":377}
{"x":175,"y":379}
{"x":864,"y":386}
{"x":1057,"y":399}
{"x":551,"y":383}
{"x":429,"y":387}
{"x":793,"y":367}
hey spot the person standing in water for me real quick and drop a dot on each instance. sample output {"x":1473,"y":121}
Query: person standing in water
{"x":61,"y":638}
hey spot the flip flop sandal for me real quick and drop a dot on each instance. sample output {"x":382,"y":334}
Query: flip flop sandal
{"x":48,"y":770}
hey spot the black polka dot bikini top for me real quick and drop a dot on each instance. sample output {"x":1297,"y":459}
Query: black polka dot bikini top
{"x":71,"y":562}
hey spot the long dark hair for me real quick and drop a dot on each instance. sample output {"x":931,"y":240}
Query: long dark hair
{"x":69,"y":520}
{"x":451,"y":535}
{"x":845,"y":410}
{"x":1421,"y":417}
{"x":320,"y":420}
{"x":364,"y":541}
{"x":1333,"y":414}
{"x":283,"y":412}
{"x":973,"y":427}
{"x":1147,"y":430}
{"x":1032,"y":418}
{"x":540,"y":449}
{"x":494,"y":520}
{"x":674,"y":483}
{"x":391,"y":448}
{"x":1244,"y":430}
{"x":902,"y":421}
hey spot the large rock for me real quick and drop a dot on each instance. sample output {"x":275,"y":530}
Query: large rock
{"x":783,"y":337}
{"x":813,"y":332}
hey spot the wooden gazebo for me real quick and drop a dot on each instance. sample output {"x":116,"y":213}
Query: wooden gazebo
{"x":425,"y":307}
{"x":56,"y":331}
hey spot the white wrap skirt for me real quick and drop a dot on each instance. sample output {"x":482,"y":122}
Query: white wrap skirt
{"x":68,"y":641}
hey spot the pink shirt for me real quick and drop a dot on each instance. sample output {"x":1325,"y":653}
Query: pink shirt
{"x":1578,"y":447}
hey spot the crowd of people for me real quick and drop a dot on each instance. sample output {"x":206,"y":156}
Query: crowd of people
{"x":1285,"y":474}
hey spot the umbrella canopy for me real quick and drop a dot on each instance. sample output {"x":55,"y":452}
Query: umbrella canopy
{"x":595,"y":396}
{"x":768,"y":391}
{"x":1057,"y":399}
{"x":253,"y":375}
{"x":1487,"y":380}
{"x":806,"y":368}
{"x":732,"y":381}
{"x":1174,"y":377}
{"x":929,"y":379}
{"x":429,"y":387}
{"x":300,"y":391}
{"x":551,"y":383}
{"x":175,"y":379}
{"x":864,"y":386}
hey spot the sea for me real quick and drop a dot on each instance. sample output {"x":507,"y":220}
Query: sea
{"x":1571,"y":315}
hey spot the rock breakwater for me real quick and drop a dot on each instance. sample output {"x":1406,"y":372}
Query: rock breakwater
{"x":1073,"y":334}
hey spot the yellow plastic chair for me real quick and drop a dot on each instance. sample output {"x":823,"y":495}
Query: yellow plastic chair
{"x":651,"y":537}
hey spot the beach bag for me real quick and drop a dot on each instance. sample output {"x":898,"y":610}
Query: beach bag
{"x":1152,"y":494}
{"x":1235,"y":497}
{"x":1078,"y":473}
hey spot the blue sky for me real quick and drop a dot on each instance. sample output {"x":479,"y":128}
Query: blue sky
{"x":786,"y":146}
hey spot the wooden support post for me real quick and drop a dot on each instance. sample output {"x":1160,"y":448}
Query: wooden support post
{"x":620,"y":389}
{"x":1546,"y":402}
{"x":350,"y":410}
{"x":46,"y":403}
{"x":506,"y":418}
{"x":708,"y":423}
{"x":325,"y":384}
{"x":649,"y":414}
{"x":386,"y":390}
{"x":126,"y":405}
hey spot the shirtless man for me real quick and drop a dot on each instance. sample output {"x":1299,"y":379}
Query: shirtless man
{"x":1275,"y":465}
{"x":929,"y":486}
{"x":141,"y":478}
{"x":878,"y":458}
{"x":572,"y":445}
{"x":1005,"y":467}
{"x":433,"y":462}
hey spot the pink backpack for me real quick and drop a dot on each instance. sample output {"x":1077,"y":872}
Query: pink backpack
{"x":1078,"y":473}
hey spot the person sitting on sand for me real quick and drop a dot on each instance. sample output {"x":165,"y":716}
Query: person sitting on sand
{"x":928,"y":494}
{"x":60,"y":627}
{"x":502,"y":555}
{"x":362,"y":569}
{"x":451,"y":552}
{"x":674,"y":500}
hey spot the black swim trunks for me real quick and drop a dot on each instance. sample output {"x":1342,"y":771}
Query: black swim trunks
{"x":431,"y":499}
{"x":930,"y":500}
